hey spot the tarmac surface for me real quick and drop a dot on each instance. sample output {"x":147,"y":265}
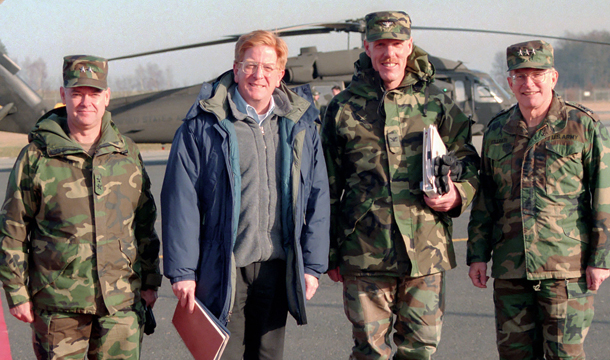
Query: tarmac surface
{"x":468,"y":331}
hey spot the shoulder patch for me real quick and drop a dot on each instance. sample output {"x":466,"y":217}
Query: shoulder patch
{"x":584,"y":109}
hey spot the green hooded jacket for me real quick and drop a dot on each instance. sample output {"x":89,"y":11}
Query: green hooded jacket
{"x":77,"y":231}
{"x":373,"y":142}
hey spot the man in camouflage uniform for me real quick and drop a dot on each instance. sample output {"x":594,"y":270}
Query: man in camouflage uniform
{"x":543,"y":214}
{"x":78,"y":249}
{"x":390,"y":244}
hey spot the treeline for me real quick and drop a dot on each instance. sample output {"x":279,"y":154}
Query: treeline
{"x":149,"y":77}
{"x":580,"y":65}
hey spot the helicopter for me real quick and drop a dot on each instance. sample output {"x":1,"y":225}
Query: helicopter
{"x":154,"y":117}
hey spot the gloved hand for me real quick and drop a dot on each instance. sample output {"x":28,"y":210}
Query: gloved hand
{"x":442,"y":166}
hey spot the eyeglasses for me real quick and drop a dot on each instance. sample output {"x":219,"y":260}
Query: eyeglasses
{"x":537,"y":77}
{"x":251,"y":67}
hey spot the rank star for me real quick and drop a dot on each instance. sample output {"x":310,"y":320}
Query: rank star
{"x":82,"y":69}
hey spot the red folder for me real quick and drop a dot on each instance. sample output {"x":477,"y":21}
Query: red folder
{"x":202,"y":333}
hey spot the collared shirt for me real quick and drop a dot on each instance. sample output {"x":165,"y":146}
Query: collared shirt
{"x":247,"y":109}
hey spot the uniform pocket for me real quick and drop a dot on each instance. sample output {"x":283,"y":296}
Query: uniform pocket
{"x":564,"y":169}
{"x":579,"y":311}
{"x":501,"y":157}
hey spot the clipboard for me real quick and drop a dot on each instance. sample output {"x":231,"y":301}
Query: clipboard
{"x":202,"y":333}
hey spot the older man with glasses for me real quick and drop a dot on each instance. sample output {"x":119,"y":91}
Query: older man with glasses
{"x":245,"y":201}
{"x":542,"y":214}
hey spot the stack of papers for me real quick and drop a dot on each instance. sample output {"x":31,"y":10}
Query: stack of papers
{"x":433,"y":147}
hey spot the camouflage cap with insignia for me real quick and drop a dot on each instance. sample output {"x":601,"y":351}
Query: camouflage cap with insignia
{"x":388,"y":25}
{"x":535,"y":54}
{"x":85,"y":70}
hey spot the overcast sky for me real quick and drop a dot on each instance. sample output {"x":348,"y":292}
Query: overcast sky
{"x":53,"y":28}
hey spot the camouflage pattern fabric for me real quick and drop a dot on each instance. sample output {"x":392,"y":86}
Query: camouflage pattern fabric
{"x":388,"y":25}
{"x":544,"y":211}
{"x":373,"y":142}
{"x":87,"y":336}
{"x":84,"y":70}
{"x":535,"y":54}
{"x":77,"y":232}
{"x":542,"y":318}
{"x":370,"y":303}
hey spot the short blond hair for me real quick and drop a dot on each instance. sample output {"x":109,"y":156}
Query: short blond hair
{"x":262,"y":37}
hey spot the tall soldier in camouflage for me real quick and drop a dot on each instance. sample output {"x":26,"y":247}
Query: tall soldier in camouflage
{"x":543,"y":215}
{"x":390,"y":244}
{"x":78,"y":249}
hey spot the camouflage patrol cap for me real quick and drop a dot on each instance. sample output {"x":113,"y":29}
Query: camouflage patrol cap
{"x":85,"y":70}
{"x":535,"y":54}
{"x":388,"y":25}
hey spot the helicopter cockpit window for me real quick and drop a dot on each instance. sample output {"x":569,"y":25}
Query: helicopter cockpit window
{"x":460,"y":91}
{"x":489,"y":92}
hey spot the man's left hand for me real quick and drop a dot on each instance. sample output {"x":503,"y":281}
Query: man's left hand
{"x":311,"y":285}
{"x":150,"y":297}
{"x":445,"y":202}
{"x":595,"y":277}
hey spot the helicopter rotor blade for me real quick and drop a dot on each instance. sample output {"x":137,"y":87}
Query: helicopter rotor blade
{"x":357,"y":26}
{"x":498,"y":32}
{"x":227,"y":40}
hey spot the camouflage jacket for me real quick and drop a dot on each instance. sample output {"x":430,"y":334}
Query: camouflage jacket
{"x":544,"y":209}
{"x":77,"y":232}
{"x":373,"y":147}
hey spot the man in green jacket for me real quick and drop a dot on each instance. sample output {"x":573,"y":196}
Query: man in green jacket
{"x":543,"y":215}
{"x":78,"y":249}
{"x":391,"y":244}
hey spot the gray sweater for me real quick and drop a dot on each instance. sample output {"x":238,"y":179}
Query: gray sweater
{"x":259,"y":232}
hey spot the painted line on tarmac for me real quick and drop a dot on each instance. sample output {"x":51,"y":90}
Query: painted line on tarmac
{"x":463,"y":239}
{"x":5,"y":347}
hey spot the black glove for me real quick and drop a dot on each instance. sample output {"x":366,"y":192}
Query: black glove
{"x":150,"y":324}
{"x":442,"y":166}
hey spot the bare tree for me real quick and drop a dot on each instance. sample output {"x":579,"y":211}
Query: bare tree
{"x":498,"y":70}
{"x":34,"y":73}
{"x":145,"y":78}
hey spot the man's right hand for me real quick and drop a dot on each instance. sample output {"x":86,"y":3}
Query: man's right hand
{"x":335,"y":275}
{"x":185,"y":292}
{"x":23,"y":312}
{"x":478,"y":274}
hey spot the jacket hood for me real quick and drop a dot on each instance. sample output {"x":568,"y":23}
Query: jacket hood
{"x":367,"y":83}
{"x":214,"y":99}
{"x":51,"y":132}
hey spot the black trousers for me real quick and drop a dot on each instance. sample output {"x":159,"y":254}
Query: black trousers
{"x":258,"y":320}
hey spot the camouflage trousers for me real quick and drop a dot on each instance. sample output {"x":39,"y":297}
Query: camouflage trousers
{"x":414,"y":306}
{"x":78,"y":336}
{"x":547,"y":319}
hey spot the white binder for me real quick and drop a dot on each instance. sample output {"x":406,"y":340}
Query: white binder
{"x":433,"y":147}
